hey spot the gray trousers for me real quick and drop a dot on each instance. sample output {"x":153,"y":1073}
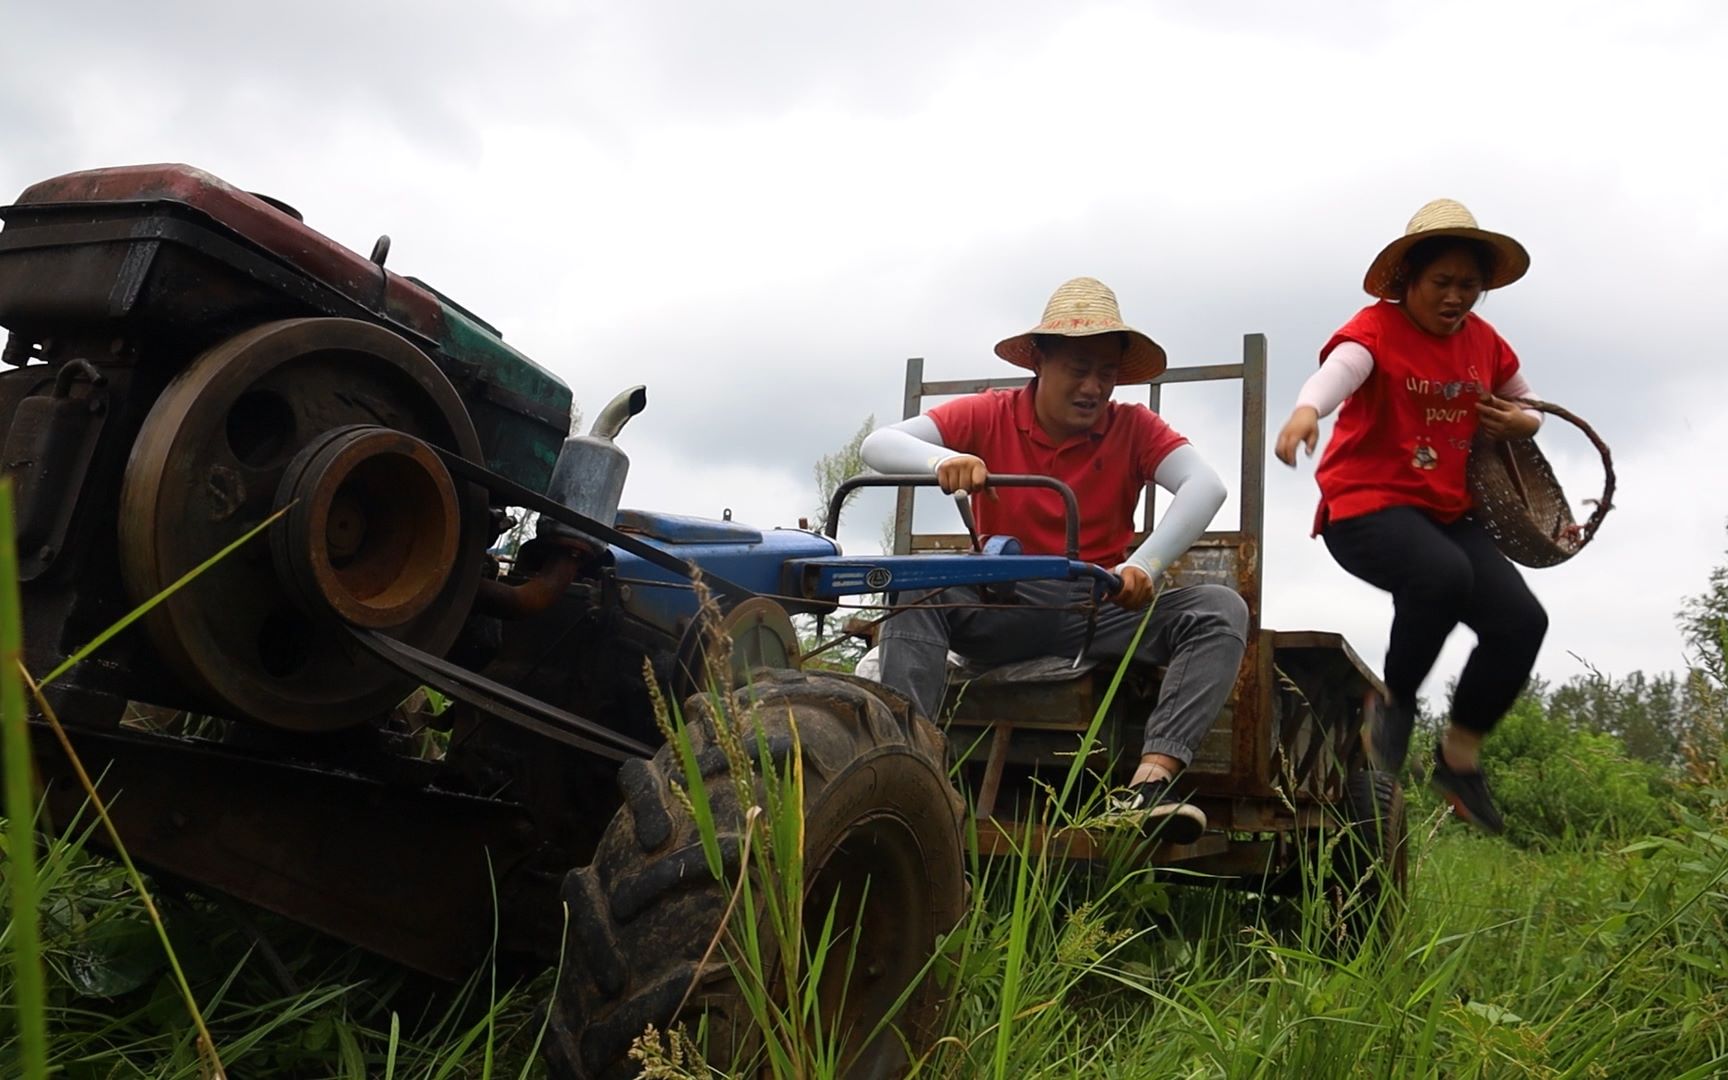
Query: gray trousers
{"x":1197,"y":632}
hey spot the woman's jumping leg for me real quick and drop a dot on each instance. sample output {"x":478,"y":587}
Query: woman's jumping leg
{"x":1405,"y":552}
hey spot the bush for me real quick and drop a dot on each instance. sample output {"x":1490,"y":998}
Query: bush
{"x":1557,"y":785}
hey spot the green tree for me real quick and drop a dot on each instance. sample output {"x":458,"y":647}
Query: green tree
{"x":1704,"y":622}
{"x":834,"y":469}
{"x":1704,"y":706}
{"x":1643,"y":712}
{"x":831,"y":471}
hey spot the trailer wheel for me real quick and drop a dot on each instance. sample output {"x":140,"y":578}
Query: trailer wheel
{"x":881,"y":832}
{"x":1370,"y":862}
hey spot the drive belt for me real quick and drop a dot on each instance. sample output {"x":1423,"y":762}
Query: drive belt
{"x":500,"y":700}
{"x":514,"y":494}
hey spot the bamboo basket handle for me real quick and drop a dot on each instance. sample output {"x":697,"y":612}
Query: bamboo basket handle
{"x":1606,"y":503}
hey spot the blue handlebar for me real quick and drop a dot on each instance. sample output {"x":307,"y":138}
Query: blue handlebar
{"x":1112,"y":582}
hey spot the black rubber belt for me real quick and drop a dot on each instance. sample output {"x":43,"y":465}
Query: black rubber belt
{"x":496,"y":698}
{"x":500,"y":700}
{"x":514,"y":494}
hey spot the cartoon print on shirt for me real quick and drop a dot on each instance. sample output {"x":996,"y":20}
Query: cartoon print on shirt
{"x":1447,"y":391}
{"x":1425,"y":457}
{"x":1444,"y":390}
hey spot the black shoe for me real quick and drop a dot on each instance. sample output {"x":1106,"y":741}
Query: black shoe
{"x":1467,"y":792}
{"x":1165,"y":817}
{"x":1387,"y":738}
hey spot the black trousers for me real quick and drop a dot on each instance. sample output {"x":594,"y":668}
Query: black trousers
{"x":1440,"y":576}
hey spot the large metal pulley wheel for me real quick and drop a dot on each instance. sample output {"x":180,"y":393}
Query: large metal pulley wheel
{"x":333,"y":416}
{"x":370,"y":529}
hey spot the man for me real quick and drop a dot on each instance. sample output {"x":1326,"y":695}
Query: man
{"x":1064,"y":425}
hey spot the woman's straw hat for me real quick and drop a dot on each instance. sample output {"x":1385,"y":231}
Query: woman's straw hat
{"x":1084,"y":307}
{"x":1444,"y":217}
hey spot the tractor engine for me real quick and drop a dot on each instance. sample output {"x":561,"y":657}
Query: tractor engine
{"x":186,"y":362}
{"x":186,"y":359}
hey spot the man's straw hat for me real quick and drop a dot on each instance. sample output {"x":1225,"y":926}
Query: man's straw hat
{"x":1444,"y":217}
{"x":1084,"y":307}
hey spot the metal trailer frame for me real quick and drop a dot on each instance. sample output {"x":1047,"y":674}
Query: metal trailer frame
{"x":1279,"y":752}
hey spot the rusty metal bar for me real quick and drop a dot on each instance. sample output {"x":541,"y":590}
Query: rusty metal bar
{"x":412,"y":878}
{"x":1253,"y":498}
{"x":993,"y":766}
{"x":1155,"y":402}
{"x":972,"y":386}
{"x":1201,"y":372}
{"x":1005,"y":837}
{"x":1193,"y":373}
{"x":911,"y":406}
{"x":1243,"y":860}
{"x":1256,"y":687}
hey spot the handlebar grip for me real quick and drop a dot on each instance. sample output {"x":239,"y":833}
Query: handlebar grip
{"x":1112,"y":582}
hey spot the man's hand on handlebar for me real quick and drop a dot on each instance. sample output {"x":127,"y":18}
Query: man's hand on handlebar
{"x":962,"y":472}
{"x":1138,"y":589}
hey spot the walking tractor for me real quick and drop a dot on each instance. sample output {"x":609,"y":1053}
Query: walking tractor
{"x":187,"y":362}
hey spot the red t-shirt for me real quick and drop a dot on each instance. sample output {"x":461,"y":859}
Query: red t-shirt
{"x":1403,"y":438}
{"x":1107,"y":468}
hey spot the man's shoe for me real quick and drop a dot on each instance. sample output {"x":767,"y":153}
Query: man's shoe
{"x":1160,"y":814}
{"x":1387,"y":738}
{"x":1467,"y":792}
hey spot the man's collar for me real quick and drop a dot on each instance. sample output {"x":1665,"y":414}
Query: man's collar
{"x":1026,"y":419}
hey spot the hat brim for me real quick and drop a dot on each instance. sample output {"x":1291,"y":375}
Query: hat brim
{"x":1143,"y":361}
{"x":1511,"y":260}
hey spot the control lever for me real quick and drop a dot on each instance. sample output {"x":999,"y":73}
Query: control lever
{"x":1111,"y":585}
{"x":963,"y":503}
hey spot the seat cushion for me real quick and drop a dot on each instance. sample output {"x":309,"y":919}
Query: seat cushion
{"x":1039,"y":669}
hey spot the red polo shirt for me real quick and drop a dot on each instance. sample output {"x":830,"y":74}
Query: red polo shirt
{"x":1403,"y":438}
{"x":1107,"y":468}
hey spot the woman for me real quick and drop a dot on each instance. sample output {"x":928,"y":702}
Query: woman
{"x":1418,"y":375}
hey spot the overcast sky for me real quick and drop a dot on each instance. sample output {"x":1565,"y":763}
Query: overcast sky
{"x":761,"y":209}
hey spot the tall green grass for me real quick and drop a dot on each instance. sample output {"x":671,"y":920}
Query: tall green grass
{"x":1595,"y":961}
{"x":27,"y":1004}
{"x":22,"y":926}
{"x":1604,"y":958}
{"x":104,"y":981}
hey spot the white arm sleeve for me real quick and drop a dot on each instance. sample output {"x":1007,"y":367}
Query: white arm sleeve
{"x":915,"y":446}
{"x":911,"y":446}
{"x":1198,"y":494}
{"x":1342,"y":373}
{"x":1518,"y":386}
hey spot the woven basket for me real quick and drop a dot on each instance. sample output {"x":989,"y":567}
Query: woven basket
{"x":1519,"y":500}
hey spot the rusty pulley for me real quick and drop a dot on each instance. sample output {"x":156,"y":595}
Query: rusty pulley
{"x":379,"y":534}
{"x":370,"y":529}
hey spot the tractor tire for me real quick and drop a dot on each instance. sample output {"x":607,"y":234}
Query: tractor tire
{"x":1370,"y":864}
{"x":878,"y":808}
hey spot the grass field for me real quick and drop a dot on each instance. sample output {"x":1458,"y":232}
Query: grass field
{"x":1594,"y":953}
{"x":1588,"y":962}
